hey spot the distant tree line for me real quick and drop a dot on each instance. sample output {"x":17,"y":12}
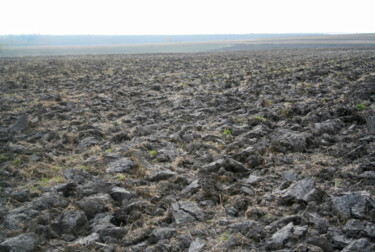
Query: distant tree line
{"x":67,"y":40}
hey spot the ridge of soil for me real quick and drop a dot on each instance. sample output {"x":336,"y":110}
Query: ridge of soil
{"x":237,"y":151}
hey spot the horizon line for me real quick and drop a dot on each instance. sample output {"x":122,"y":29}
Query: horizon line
{"x":188,"y":34}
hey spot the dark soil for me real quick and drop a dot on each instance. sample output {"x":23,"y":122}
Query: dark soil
{"x":244,"y":151}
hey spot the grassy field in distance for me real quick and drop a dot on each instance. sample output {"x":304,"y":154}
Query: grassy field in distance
{"x":110,"y":49}
{"x":329,"y":41}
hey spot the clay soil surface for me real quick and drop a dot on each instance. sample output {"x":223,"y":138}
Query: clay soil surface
{"x":238,"y":151}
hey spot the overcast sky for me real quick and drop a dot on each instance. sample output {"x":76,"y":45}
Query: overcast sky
{"x":185,"y":16}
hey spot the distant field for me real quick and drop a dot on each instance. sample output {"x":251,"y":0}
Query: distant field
{"x":332,"y":41}
{"x":112,"y":49}
{"x":336,"y":41}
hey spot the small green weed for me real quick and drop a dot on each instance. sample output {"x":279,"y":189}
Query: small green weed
{"x":227,"y":132}
{"x":266,"y":216}
{"x":84,"y":167}
{"x":109,"y":150}
{"x":283,"y":112}
{"x":121,"y":177}
{"x":182,"y":84}
{"x":153,"y":153}
{"x":360,"y":107}
{"x":337,"y":183}
{"x":56,"y":168}
{"x":261,"y":118}
{"x":51,"y":181}
{"x":268,"y":103}
{"x":16,"y":162}
{"x":57,"y":180}
{"x":224,"y":237}
{"x":3,"y":157}
{"x":44,"y":181}
{"x":342,"y":76}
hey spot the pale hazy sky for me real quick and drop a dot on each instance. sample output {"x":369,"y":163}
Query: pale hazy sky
{"x":185,"y":16}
